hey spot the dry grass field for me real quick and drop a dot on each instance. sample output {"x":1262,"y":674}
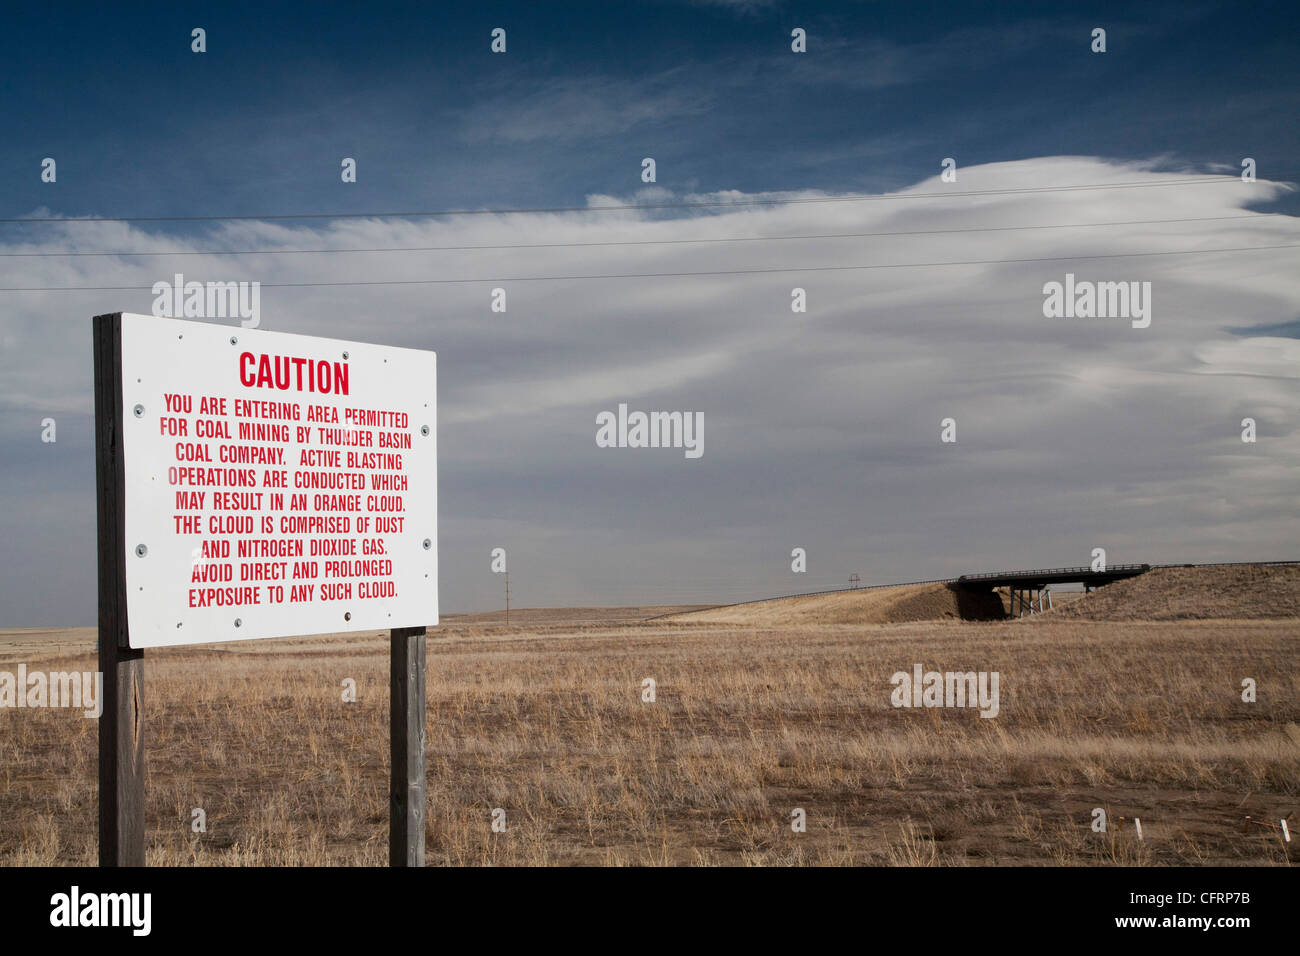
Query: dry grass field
{"x":753,"y":718}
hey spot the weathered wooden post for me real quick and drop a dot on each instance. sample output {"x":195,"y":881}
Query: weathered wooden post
{"x":121,"y":724}
{"x":406,"y":791}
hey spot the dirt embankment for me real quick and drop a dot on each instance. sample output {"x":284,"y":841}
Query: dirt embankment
{"x":896,"y":605}
{"x":1252,"y":591}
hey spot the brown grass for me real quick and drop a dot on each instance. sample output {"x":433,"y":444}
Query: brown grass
{"x":546,"y":721}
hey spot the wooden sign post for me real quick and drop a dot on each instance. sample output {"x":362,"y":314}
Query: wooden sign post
{"x":121,"y":725}
{"x":226,"y":465}
{"x":406,"y":792}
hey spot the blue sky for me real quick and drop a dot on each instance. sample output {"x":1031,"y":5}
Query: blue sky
{"x":145,"y":127}
{"x":822,"y":435}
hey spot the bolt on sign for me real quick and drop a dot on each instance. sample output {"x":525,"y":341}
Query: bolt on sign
{"x":274,"y":484}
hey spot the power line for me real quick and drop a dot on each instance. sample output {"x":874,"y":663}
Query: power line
{"x":672,"y":275}
{"x":614,"y":207}
{"x":632,"y":242}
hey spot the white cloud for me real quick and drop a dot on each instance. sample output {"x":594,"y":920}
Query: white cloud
{"x":1262,"y":356}
{"x":821,"y":427}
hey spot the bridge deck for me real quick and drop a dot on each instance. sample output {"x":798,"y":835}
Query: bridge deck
{"x":1039,"y":578}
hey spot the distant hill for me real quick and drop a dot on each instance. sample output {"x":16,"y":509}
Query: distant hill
{"x":893,"y":605}
{"x":568,"y":615}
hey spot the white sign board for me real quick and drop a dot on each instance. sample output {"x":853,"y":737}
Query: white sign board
{"x":275,"y":484}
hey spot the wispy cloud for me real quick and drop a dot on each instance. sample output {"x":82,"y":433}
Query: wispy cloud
{"x":569,"y":108}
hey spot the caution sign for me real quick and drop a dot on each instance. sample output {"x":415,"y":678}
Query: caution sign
{"x":275,"y":484}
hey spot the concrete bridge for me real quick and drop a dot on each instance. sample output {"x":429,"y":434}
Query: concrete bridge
{"x":1026,"y":587}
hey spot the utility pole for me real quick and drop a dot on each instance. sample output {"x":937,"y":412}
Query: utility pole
{"x":507,"y":597}
{"x":854,"y":580}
